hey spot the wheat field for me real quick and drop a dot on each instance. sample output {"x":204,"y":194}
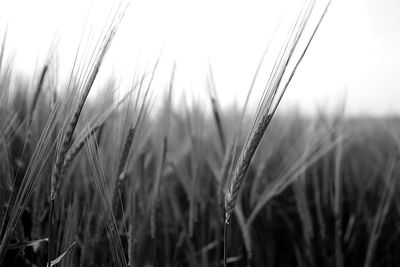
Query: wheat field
{"x":117,"y":182}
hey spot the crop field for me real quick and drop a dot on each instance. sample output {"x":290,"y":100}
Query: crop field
{"x":113,"y":181}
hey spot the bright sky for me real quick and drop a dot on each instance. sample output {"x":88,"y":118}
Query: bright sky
{"x":354,"y":55}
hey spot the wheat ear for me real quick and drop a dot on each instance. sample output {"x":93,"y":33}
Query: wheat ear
{"x":121,"y":173}
{"x":244,"y":162}
{"x":270,"y":100}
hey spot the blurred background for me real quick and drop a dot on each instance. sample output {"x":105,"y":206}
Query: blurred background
{"x":354,"y":57}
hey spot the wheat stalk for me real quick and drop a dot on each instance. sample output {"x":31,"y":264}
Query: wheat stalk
{"x":121,"y":173}
{"x":144,"y":106}
{"x":163,"y":157}
{"x":215,"y":108}
{"x":268,"y":105}
{"x":269,"y":102}
{"x":89,"y":76}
